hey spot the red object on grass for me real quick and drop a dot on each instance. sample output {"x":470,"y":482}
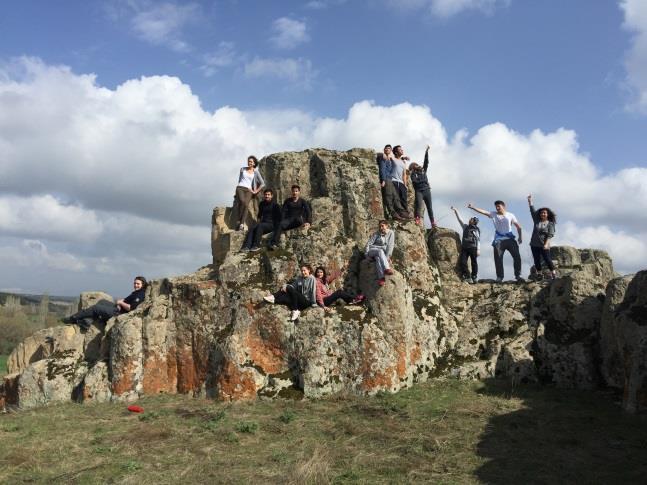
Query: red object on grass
{"x":135,"y":409}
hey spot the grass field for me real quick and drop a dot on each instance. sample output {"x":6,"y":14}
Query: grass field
{"x":440,"y":432}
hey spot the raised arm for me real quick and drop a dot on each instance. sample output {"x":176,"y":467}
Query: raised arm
{"x":533,"y":212}
{"x":425,"y":165}
{"x":480,"y":211}
{"x":460,"y":221}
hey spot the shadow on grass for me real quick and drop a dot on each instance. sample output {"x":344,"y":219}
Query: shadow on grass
{"x":562,"y":436}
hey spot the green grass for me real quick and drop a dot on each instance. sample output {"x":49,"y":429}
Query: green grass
{"x":444,"y":431}
{"x":3,"y":364}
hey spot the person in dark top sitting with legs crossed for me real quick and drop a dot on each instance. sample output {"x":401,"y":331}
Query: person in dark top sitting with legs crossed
{"x":295,"y":213}
{"x":104,"y":310}
{"x":269,"y":218}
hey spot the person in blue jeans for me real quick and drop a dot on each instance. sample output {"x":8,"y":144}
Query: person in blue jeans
{"x":504,"y":239}
{"x":543,"y":230}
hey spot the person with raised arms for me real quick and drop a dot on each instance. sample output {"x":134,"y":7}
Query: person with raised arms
{"x":422,"y":189}
{"x":470,"y":247}
{"x":379,"y":247}
{"x":504,"y":239}
{"x":297,"y":295}
{"x":543,"y":230}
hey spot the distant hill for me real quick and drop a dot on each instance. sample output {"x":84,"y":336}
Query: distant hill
{"x":57,"y":304}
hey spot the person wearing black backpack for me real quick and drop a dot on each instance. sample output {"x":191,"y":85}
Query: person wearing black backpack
{"x":470,"y":247}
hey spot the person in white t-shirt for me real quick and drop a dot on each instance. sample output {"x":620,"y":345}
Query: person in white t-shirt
{"x":504,"y":239}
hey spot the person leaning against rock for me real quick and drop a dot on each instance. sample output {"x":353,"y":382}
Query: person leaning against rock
{"x":503,"y":238}
{"x":295,"y":213}
{"x":103,"y":310}
{"x":379,"y":247}
{"x":250,"y":183}
{"x":470,"y":247}
{"x":269,"y":218}
{"x":390,"y":201}
{"x":298,"y":295}
{"x":543,"y":230}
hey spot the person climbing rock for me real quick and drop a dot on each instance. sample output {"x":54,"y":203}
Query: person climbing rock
{"x":325,"y":296}
{"x":269,"y":218}
{"x":379,"y":248}
{"x":422,"y":189}
{"x":103,"y":310}
{"x":543,"y":230}
{"x":295,"y":213}
{"x":250,"y":183}
{"x":470,"y":247}
{"x":298,"y":295}
{"x":504,"y":239}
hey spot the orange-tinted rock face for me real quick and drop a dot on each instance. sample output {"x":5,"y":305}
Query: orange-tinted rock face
{"x":375,"y":376}
{"x":234,"y":384}
{"x":156,"y":375}
{"x":124,"y":380}
{"x":265,"y":345}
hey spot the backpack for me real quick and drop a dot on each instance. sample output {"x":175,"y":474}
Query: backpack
{"x":471,"y":236}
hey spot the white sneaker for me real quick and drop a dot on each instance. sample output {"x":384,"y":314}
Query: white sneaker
{"x":295,"y":315}
{"x":269,"y":298}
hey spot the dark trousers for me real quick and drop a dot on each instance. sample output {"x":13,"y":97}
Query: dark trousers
{"x":338,"y":295}
{"x":471,"y":254}
{"x":254,"y":235}
{"x":538,"y":253}
{"x":424,"y":196}
{"x":102,"y":310}
{"x":401,"y":192}
{"x":291,"y":298}
{"x":391,"y":200}
{"x":285,"y":225}
{"x":501,"y":247}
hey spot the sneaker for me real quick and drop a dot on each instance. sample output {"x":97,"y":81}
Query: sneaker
{"x":434,"y":224}
{"x":418,"y":220}
{"x":519,"y":279}
{"x":254,"y":249}
{"x":381,"y":282}
{"x":244,"y":250}
{"x":474,"y":280}
{"x":241,"y":227}
{"x":269,"y":298}
{"x":553,"y":275}
{"x":358,"y":299}
{"x":465,"y":279}
{"x":295,"y":315}
{"x":499,"y":280}
{"x":68,"y":321}
{"x":406,"y":216}
{"x":272,"y":247}
{"x":388,"y":271}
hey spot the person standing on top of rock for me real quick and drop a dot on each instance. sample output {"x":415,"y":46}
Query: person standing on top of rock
{"x":398,"y":177}
{"x":104,"y":310}
{"x":250,"y":183}
{"x":295,"y":213}
{"x":543,"y":230}
{"x":379,"y":248}
{"x":504,"y":239}
{"x":390,"y":200}
{"x":470,"y":246}
{"x":422,"y":189}
{"x":269,"y":218}
{"x":298,"y":295}
{"x":325,"y":296}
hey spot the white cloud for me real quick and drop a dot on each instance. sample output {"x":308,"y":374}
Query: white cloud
{"x":449,"y":8}
{"x":138,"y":168}
{"x":636,"y":61}
{"x":288,"y":33}
{"x":298,"y":72}
{"x":223,"y":56}
{"x":163,"y":23}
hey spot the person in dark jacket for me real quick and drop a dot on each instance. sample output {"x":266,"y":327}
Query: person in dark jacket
{"x":543,"y":230}
{"x":295,"y":213}
{"x":298,"y":295}
{"x":269,"y":218}
{"x":390,"y":201}
{"x":470,"y":247}
{"x":422,"y":189}
{"x":103,"y":310}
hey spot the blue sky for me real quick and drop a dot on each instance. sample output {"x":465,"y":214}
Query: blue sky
{"x":574,"y":71}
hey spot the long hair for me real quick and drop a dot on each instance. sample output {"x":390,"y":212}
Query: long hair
{"x":552,"y":217}
{"x":143,"y":280}
{"x":254,"y":159}
{"x":325,"y":275}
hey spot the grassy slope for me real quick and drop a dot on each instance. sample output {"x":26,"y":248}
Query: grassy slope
{"x":442,"y":431}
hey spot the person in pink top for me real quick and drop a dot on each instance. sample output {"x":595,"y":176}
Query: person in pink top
{"x":325,"y":296}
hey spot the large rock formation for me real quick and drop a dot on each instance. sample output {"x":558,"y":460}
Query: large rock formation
{"x":209,"y":333}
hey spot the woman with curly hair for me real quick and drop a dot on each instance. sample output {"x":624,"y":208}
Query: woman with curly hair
{"x":543,"y":230}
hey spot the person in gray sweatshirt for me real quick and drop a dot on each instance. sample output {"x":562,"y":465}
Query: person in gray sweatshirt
{"x":379,"y":248}
{"x":298,"y":295}
{"x":470,"y":247}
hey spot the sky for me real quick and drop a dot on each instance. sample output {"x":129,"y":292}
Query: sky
{"x":124,"y":122}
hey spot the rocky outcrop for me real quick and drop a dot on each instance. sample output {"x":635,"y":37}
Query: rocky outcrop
{"x":209,"y":333}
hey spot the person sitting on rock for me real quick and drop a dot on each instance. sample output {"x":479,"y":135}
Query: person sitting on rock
{"x":295,"y":213}
{"x":543,"y":230}
{"x":298,"y":295}
{"x":379,"y":248}
{"x":390,"y":200}
{"x":104,"y":310}
{"x":269,"y":218}
{"x":325,"y":296}
{"x":503,"y":238}
{"x":470,"y":246}
{"x":250,"y":183}
{"x":398,"y":177}
{"x":422,"y":189}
